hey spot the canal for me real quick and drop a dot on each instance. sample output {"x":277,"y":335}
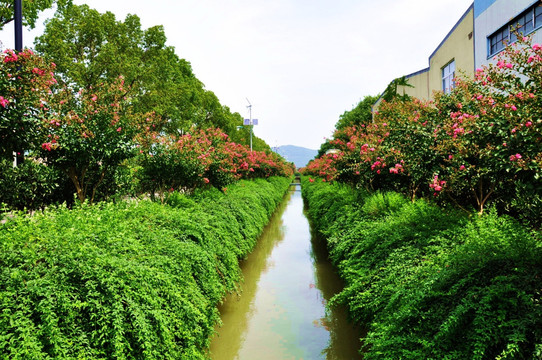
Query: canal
{"x":280,"y":311}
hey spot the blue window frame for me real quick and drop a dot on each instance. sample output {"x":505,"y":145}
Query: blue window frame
{"x":448,"y":74}
{"x":525,"y":23}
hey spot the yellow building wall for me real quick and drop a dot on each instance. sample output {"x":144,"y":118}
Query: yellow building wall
{"x":458,"y":46}
{"x":419,"y":89}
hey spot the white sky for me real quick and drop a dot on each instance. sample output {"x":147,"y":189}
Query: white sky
{"x":301,"y":63}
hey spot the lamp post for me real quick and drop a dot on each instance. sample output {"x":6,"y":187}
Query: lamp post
{"x":250,"y":122}
{"x":18,"y":21}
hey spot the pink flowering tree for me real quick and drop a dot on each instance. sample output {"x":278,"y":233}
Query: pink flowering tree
{"x":408,"y":129}
{"x":88,"y":133}
{"x":25,"y":82}
{"x":393,"y":153}
{"x":481,"y":142}
{"x":201,"y":158}
{"x":353,"y":156}
{"x":491,"y":132}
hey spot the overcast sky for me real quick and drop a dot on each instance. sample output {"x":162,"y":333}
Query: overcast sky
{"x":301,"y":63}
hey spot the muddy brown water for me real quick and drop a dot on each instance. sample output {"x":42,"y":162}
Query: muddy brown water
{"x":280,"y":312}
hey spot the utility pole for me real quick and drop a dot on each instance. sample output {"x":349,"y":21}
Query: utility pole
{"x":18,"y":20}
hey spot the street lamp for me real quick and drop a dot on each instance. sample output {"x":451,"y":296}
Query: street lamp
{"x":18,"y":21}
{"x":18,"y":17}
{"x":250,"y":122}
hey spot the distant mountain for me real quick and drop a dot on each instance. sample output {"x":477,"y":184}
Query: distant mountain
{"x":300,"y":156}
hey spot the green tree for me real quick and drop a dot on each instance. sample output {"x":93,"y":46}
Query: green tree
{"x":31,"y":10}
{"x":360,"y":114}
{"x":391,"y":90}
{"x":90,"y":47}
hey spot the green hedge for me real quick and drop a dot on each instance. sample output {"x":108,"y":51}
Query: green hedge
{"x":430,"y":283}
{"x":129,"y":280}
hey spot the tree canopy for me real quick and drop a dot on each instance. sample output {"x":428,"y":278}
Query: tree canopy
{"x":360,"y":114}
{"x":31,"y":10}
{"x":90,"y":47}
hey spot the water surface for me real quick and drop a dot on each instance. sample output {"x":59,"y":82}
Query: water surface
{"x":280,"y":312}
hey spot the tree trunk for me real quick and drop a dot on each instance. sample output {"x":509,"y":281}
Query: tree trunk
{"x":78,"y":182}
{"x":95,"y":187}
{"x":482,"y":198}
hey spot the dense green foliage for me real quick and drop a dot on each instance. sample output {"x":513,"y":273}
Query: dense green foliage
{"x":31,"y":185}
{"x":430,"y":283}
{"x":134,"y":280}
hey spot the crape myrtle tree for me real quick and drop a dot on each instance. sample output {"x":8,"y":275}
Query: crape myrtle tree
{"x":480,"y":143}
{"x":90,"y":132}
{"x":200,"y":159}
{"x":491,"y":136}
{"x":25,"y":81}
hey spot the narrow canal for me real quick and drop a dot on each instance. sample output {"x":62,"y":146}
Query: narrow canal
{"x":280,"y":312}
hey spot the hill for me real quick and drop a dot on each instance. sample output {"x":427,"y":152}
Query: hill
{"x":300,"y":156}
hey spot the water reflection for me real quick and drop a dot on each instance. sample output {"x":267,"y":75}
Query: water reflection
{"x":280,"y":313}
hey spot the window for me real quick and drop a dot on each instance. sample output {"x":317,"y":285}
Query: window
{"x":525,"y":23}
{"x":498,"y":40}
{"x":448,"y":74}
{"x":538,"y":15}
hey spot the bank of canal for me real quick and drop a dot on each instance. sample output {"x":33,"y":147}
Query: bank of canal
{"x":280,"y":313}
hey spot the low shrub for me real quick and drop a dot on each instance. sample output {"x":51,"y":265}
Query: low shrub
{"x":32,"y":185}
{"x":430,"y":283}
{"x":131,"y":280}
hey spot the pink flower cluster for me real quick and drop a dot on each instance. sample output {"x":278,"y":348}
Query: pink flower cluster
{"x":49,"y":146}
{"x":3,"y":101}
{"x":503,"y":64}
{"x":457,"y":130}
{"x":437,"y":184}
{"x":397,"y":169}
{"x":10,"y":56}
{"x":515,"y":157}
{"x":378,"y":164}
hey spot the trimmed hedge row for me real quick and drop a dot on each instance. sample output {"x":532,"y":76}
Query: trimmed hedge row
{"x":430,"y":283}
{"x":128,"y":280}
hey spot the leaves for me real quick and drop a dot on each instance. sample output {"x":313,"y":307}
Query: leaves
{"x":127,"y":280}
{"x":429,"y":283}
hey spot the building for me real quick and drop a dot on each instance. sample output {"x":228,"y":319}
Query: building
{"x":481,"y":33}
{"x":455,"y":54}
{"x":495,"y":22}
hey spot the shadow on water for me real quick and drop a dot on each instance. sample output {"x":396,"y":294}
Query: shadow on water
{"x":345,"y":337}
{"x":280,"y":313}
